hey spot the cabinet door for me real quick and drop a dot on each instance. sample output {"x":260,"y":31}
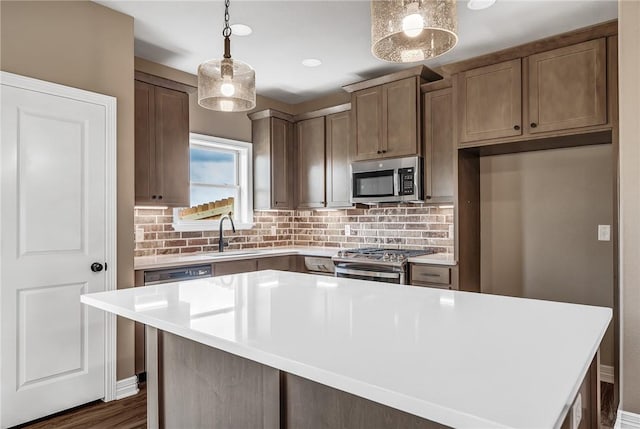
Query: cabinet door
{"x":281,"y":166}
{"x":439,"y":145}
{"x":234,"y":267}
{"x":366,"y":111}
{"x":172,"y":146}
{"x":282,"y":263}
{"x":261,"y":137}
{"x":338,"y":172}
{"x":568,"y":87}
{"x":399,"y":118}
{"x":145,"y":155}
{"x":311,"y":167}
{"x":490,"y":102}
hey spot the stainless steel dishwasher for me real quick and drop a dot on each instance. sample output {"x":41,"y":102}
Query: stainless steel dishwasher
{"x":156,"y":277}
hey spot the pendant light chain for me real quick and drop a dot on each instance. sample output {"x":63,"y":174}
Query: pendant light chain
{"x":226,"y":31}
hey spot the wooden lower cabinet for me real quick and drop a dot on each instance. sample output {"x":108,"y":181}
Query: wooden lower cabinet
{"x":280,"y":263}
{"x":193,"y":385}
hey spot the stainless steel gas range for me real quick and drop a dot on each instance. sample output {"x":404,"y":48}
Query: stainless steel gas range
{"x":381,"y":265}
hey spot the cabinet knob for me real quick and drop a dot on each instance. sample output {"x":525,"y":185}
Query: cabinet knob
{"x":533,"y":125}
{"x":159,"y":197}
{"x":379,"y":152}
{"x":384,"y":151}
{"x":516,"y":127}
{"x":153,"y":197}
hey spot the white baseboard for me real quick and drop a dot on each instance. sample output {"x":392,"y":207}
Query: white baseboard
{"x":127,"y":387}
{"x":627,"y":420}
{"x":606,"y":374}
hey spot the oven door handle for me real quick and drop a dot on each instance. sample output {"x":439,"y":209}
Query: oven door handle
{"x":377,"y":274}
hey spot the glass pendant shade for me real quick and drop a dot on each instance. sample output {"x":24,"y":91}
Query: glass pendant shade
{"x":226,"y":85}
{"x":405,"y":31}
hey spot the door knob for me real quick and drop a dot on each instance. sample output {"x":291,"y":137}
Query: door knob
{"x":96,"y":267}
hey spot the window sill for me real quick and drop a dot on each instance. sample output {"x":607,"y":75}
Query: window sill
{"x":208,"y":226}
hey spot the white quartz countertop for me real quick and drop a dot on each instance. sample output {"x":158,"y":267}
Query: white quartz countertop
{"x":166,"y":261}
{"x":435,"y":259}
{"x":461,"y":359}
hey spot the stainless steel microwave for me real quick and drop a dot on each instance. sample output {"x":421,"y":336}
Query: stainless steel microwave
{"x":387,"y":180}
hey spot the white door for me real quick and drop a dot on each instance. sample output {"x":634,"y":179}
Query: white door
{"x":53,"y":219}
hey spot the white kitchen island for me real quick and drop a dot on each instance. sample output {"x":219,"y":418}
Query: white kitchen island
{"x":309,"y":346}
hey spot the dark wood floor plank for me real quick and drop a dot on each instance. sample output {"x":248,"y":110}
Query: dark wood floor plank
{"x":128,"y":413}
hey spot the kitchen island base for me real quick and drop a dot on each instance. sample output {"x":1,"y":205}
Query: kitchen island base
{"x":197,"y":386}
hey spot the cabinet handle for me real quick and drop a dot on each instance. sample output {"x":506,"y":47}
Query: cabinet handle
{"x":533,"y":125}
{"x":516,"y":127}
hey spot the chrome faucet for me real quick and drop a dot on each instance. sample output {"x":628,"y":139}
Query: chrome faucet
{"x":221,"y":238}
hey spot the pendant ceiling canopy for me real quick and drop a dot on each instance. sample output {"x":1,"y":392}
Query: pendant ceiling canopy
{"x":405,"y":31}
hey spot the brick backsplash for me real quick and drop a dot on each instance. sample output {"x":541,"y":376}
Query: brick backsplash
{"x":392,"y":226}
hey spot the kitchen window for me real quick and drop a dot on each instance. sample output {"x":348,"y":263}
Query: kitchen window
{"x":219,"y":169}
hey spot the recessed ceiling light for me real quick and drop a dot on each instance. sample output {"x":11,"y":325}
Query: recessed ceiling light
{"x":311,"y":62}
{"x":480,"y":4}
{"x":240,"y":30}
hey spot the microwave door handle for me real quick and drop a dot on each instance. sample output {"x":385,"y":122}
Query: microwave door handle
{"x":396,"y":183}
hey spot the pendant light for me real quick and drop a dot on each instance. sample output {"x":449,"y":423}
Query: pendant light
{"x":405,"y":31}
{"x":226,"y":85}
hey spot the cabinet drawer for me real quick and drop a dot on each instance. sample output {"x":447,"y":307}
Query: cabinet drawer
{"x":425,"y":274}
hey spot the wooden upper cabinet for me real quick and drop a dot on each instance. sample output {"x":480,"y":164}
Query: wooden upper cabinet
{"x":366,"y":107}
{"x":440,"y":151}
{"x":385,"y":120}
{"x":161,"y":145}
{"x":272,"y":168}
{"x":337,"y":159}
{"x":490,"y":102}
{"x":568,"y":87}
{"x":282,"y":170}
{"x":399,"y":120}
{"x":310,"y":144}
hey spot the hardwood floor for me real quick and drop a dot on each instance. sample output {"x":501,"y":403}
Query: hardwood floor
{"x":128,"y":413}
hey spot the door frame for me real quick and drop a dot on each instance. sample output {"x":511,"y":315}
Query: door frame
{"x":109,"y":104}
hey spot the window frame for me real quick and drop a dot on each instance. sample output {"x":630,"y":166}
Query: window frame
{"x":244,"y":180}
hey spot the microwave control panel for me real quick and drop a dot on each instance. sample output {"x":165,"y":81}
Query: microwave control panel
{"x":407,"y":185}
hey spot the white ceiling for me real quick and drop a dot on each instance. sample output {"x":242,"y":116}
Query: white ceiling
{"x":182,"y":34}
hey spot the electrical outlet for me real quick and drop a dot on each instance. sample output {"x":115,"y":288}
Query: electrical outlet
{"x":604,"y":232}
{"x":576,"y":412}
{"x":139,"y":235}
{"x":450,"y":231}
{"x":274,"y":230}
{"x":347,"y":230}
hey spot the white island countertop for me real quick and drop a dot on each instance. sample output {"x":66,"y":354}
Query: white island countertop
{"x":461,"y":359}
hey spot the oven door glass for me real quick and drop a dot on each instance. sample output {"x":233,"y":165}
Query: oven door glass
{"x":374,"y":184}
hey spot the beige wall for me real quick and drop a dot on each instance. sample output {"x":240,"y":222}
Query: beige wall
{"x":235,"y":126}
{"x":629,"y":75}
{"x":539,"y":217}
{"x":87,"y":46}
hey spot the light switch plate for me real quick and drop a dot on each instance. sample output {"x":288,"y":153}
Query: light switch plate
{"x":604,"y":232}
{"x":274,"y":230}
{"x":347,"y":230}
{"x":139,"y":235}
